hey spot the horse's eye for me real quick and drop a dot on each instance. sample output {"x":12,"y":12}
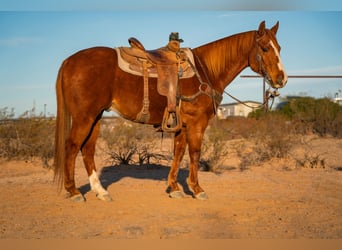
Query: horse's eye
{"x":264,"y":49}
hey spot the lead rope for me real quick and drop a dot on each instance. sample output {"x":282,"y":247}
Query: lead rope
{"x":269,"y":95}
{"x":243,"y":103}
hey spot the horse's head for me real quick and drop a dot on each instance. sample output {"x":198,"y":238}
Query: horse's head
{"x":265,"y":56}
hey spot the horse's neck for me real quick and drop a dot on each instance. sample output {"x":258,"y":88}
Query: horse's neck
{"x":224,"y":59}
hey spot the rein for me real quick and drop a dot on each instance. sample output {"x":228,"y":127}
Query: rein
{"x":268,"y":95}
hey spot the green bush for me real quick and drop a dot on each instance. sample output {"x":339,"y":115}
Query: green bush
{"x":322,"y":115}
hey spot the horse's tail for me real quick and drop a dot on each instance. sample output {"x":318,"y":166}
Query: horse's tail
{"x":63,"y":124}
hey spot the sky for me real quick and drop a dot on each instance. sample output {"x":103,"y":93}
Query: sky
{"x":36,"y":36}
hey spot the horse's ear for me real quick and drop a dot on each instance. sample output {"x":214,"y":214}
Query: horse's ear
{"x":261,"y":30}
{"x":275,"y":28}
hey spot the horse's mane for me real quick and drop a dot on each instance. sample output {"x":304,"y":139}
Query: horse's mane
{"x":220,"y":55}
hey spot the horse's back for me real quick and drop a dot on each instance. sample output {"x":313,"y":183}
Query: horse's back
{"x":89,"y":59}
{"x":87,"y":79}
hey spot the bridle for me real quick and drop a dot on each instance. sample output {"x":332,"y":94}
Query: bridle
{"x":268,"y":94}
{"x":207,"y":89}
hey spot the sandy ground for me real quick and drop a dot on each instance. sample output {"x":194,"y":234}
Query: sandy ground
{"x":277,"y":200}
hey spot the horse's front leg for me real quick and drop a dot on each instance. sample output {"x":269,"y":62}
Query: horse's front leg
{"x":179,"y":150}
{"x":195,"y":137}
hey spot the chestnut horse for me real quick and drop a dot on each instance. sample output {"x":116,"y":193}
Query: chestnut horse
{"x":90,"y":82}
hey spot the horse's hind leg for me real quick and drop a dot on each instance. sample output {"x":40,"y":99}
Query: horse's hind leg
{"x":72,"y":146}
{"x":88,"y":152}
{"x":79,"y":132}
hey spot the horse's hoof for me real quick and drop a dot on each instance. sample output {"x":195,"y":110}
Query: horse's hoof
{"x":105,"y":197}
{"x":201,"y":196}
{"x":176,"y":194}
{"x":77,"y":198}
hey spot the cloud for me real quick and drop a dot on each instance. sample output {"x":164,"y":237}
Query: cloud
{"x":19,"y":41}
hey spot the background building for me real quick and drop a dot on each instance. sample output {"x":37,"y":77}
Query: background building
{"x":237,"y":109}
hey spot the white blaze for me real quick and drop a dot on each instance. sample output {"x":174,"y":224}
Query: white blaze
{"x":280,"y":63}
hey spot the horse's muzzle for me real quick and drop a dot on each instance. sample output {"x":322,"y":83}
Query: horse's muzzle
{"x":281,"y":81}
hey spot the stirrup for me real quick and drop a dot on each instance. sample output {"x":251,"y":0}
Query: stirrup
{"x":171,"y":121}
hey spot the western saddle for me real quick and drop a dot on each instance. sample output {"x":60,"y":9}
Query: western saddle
{"x":168,"y":64}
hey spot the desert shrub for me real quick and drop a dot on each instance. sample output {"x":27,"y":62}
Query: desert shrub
{"x":146,"y":154}
{"x":214,"y":146}
{"x":130,"y":142}
{"x":311,"y":160}
{"x":269,"y":136}
{"x":235,"y":127}
{"x":26,"y":138}
{"x":6,"y":114}
{"x":306,"y":156}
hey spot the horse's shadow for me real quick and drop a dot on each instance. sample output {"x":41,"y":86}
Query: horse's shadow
{"x":113,"y":174}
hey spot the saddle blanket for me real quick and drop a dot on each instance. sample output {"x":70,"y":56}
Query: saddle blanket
{"x":187,"y":71}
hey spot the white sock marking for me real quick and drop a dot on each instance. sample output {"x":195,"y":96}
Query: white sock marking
{"x":95,"y":184}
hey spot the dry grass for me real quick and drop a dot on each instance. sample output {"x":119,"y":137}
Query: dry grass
{"x":27,"y":138}
{"x":264,"y":137}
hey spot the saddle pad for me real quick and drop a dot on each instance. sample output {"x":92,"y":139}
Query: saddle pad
{"x":152,"y":72}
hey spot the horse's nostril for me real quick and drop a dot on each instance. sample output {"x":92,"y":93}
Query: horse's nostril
{"x":281,"y":80}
